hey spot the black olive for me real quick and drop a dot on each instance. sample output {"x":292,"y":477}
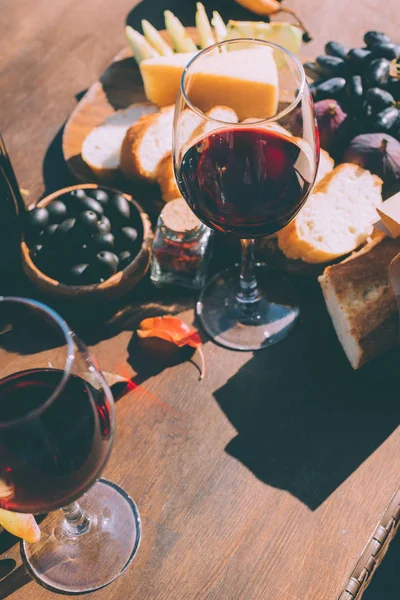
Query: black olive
{"x":87,"y":203}
{"x":331,"y":88}
{"x":386,"y":119}
{"x":79,"y":194}
{"x":388,"y":51}
{"x":355,"y":91}
{"x":311,"y":70}
{"x":57,"y":211}
{"x":87,"y":221}
{"x":66,"y":232}
{"x":37,"y":218}
{"x":127,"y":237}
{"x":331,"y":66}
{"x":336,"y":49}
{"x":78,"y":274}
{"x":107,"y":263}
{"x":119,"y":208}
{"x":49,"y":231}
{"x":36,"y":250}
{"x":103,"y":241}
{"x":125,"y":259}
{"x":379,"y":99}
{"x":103,"y":226}
{"x":378,"y":72}
{"x":358,"y":58}
{"x":376,"y":37}
{"x":99,"y":195}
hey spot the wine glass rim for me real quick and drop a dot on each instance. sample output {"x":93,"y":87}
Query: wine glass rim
{"x":66,"y":331}
{"x":282,"y":113}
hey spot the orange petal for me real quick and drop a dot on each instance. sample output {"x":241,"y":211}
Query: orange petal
{"x":21,"y":525}
{"x":261,"y":7}
{"x":171,"y":329}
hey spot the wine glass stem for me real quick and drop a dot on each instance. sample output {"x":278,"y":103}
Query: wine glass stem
{"x":76,"y":521}
{"x":248,"y":293}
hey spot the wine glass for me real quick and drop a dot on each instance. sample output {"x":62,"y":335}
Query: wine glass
{"x":244,"y":174}
{"x":56,"y":431}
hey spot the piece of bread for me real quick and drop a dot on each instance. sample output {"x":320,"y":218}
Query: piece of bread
{"x":102,"y":146}
{"x":166,"y":179}
{"x":148,"y":141}
{"x":326,"y":164}
{"x":337,"y":218}
{"x":190,"y":129}
{"x":361,"y":301}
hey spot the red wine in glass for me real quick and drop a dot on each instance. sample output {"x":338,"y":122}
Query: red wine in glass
{"x":58,"y":452}
{"x":246,"y":181}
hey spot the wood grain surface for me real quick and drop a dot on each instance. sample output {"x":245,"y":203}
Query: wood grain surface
{"x":265,"y":480}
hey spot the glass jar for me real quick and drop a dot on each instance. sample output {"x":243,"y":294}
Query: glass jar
{"x":181,"y":247}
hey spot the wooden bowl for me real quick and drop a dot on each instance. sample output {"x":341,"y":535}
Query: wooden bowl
{"x":117,"y":285}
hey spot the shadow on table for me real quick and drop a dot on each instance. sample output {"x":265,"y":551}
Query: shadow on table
{"x":15,"y":580}
{"x":385,"y":584}
{"x":305,"y":419}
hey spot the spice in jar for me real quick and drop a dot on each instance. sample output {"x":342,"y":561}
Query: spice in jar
{"x":181,"y":247}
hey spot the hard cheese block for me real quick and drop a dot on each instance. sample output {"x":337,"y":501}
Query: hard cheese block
{"x":162,"y":77}
{"x":245,"y":80}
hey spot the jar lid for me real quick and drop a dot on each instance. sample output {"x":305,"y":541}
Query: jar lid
{"x":178,"y":217}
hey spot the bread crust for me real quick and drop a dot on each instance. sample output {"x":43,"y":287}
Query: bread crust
{"x":166,"y":179}
{"x":129,"y":160}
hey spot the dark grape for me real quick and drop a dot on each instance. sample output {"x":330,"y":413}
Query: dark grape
{"x":393,"y":87}
{"x":355,"y":91}
{"x":358,"y":58}
{"x":331,"y":66}
{"x":379,"y":99}
{"x":311,"y":70}
{"x":376,"y":37}
{"x":336,"y":49}
{"x":388,"y":51}
{"x":386,"y":119}
{"x":331,"y":88}
{"x":378,"y":72}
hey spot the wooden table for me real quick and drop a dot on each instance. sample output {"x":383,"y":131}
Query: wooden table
{"x":266,"y":480}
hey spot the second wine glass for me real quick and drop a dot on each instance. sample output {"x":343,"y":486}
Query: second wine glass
{"x":244,"y":174}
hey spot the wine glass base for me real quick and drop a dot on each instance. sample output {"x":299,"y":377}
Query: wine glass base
{"x":92,"y":560}
{"x":266,"y":323}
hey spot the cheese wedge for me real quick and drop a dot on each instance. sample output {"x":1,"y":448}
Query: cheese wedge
{"x":245,"y":80}
{"x":162,"y":77}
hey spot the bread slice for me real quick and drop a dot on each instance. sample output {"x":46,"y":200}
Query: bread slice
{"x":166,"y":179}
{"x":337,"y":218}
{"x":102,"y":146}
{"x":326,"y":164}
{"x":361,"y":301}
{"x":148,"y":141}
{"x":191,"y":128}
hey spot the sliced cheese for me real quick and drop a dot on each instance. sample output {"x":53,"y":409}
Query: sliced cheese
{"x":245,"y":80}
{"x":162,"y":77}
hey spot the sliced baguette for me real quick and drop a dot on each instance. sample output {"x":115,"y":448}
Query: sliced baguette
{"x":149,"y":140}
{"x":361,"y":301}
{"x":166,"y":179}
{"x":102,"y":147}
{"x":326,"y":164}
{"x":337,"y":218}
{"x":219,"y":113}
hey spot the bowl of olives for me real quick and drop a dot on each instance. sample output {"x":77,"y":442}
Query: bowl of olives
{"x":86,"y":242}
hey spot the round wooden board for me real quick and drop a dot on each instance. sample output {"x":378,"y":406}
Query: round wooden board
{"x":119,"y":86}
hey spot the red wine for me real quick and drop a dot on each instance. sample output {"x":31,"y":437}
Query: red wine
{"x":247,"y":181}
{"x":50,"y":453}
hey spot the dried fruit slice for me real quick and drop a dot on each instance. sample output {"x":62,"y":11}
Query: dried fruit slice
{"x":21,"y":525}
